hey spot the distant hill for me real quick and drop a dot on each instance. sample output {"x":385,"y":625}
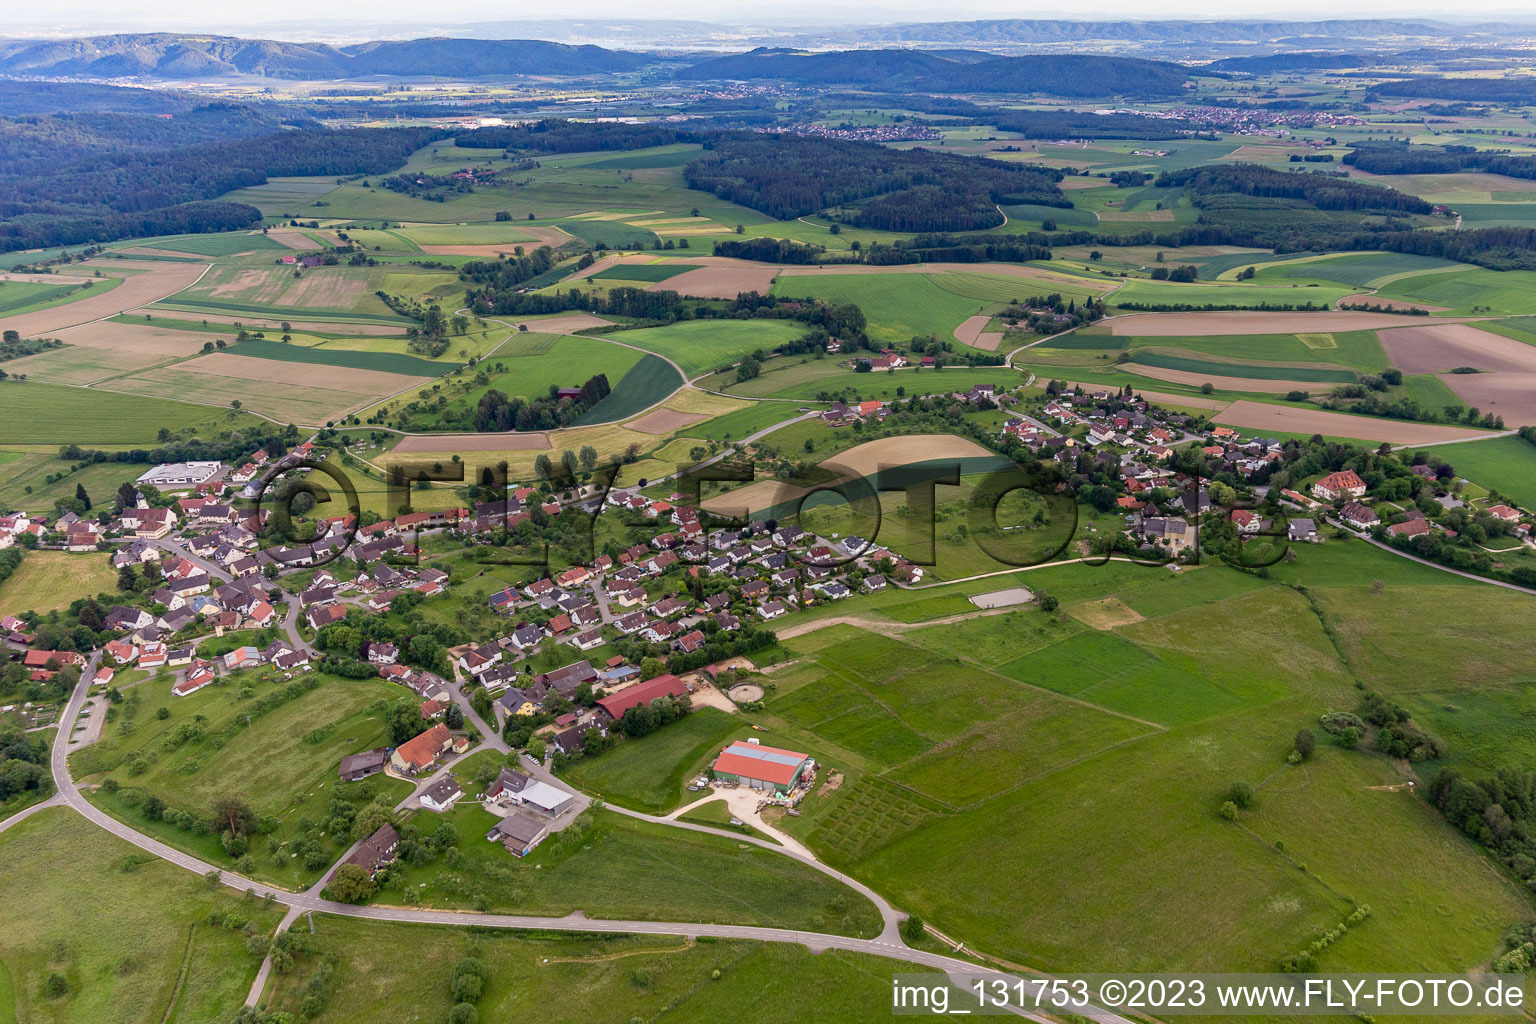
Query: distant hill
{"x":885,"y":68}
{"x":174,"y":56}
{"x":1058,"y":74}
{"x":1044,"y":32}
{"x":1068,"y":75}
{"x":1293,"y":62}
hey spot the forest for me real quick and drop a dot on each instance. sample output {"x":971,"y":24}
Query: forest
{"x":496,"y":411}
{"x":791,"y":176}
{"x":556,"y":136}
{"x":1401,"y":158}
{"x":153,"y":192}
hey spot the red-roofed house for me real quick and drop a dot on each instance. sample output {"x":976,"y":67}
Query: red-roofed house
{"x":417,"y":755}
{"x":1346,"y":483}
{"x":615,"y":704}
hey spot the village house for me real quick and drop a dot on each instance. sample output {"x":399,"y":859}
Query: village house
{"x":416,"y":755}
{"x":442,"y":795}
{"x":1359,"y":516}
{"x":1344,"y":484}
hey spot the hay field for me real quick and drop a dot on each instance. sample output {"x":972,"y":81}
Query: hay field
{"x":1261,"y":416}
{"x":263,"y":386}
{"x":143,"y":283}
{"x":1252,"y":321}
{"x":32,"y":412}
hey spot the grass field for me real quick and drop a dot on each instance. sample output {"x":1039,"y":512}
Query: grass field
{"x":589,"y":977}
{"x":527,"y":366}
{"x":648,"y":774}
{"x":322,"y":291}
{"x":1356,"y":270}
{"x":901,"y":306}
{"x":387,"y":362}
{"x":1505,"y":463}
{"x":283,"y":764}
{"x":1474,"y":290}
{"x":47,"y":580}
{"x":35,"y":413}
{"x":647,"y":382}
{"x":226,"y":244}
{"x":129,"y":933}
{"x":958,"y":842}
{"x":1174,"y":360}
{"x":293,"y":397}
{"x":1358,"y":350}
{"x":17,"y":297}
{"x":1234,"y":295}
{"x":742,"y":423}
{"x":593,"y":869}
{"x":699,"y":345}
{"x":647,"y":272}
{"x":24,"y":478}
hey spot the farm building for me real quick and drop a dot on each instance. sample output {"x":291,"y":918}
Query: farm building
{"x":519,"y":832}
{"x":668,"y":685}
{"x":360,"y":766}
{"x":748,"y":763}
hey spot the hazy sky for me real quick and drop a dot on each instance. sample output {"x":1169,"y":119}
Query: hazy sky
{"x":373,"y":18}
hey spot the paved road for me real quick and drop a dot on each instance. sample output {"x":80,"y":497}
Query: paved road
{"x":887,"y":944}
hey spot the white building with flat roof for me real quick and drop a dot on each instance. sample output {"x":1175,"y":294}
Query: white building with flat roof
{"x":180,"y":474}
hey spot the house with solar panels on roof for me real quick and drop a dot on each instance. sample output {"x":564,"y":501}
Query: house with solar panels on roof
{"x":749,"y":763}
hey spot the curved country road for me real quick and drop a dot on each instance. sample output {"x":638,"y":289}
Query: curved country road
{"x":889,"y":945}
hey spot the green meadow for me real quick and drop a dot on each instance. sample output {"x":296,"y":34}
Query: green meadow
{"x":1507,"y":464}
{"x":589,"y":977}
{"x":129,"y":933}
{"x":1474,"y":290}
{"x":34,"y":413}
{"x":699,"y":345}
{"x":283,"y":763}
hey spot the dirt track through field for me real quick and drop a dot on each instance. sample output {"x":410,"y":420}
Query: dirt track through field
{"x":1260,"y":416}
{"x":1251,"y":321}
{"x":159,"y":281}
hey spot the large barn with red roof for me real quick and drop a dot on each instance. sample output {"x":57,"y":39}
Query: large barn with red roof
{"x":749,"y":763}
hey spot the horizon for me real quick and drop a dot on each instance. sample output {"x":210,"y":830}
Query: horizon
{"x":393,"y":20}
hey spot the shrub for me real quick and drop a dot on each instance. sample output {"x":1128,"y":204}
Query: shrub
{"x":1240,"y":794}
